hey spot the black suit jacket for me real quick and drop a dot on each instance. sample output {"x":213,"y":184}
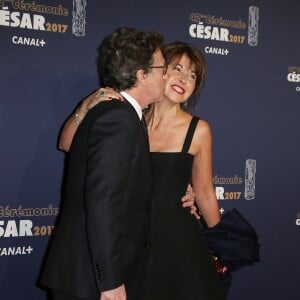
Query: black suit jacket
{"x":104,"y":221}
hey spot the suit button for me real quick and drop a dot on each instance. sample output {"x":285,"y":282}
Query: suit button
{"x":147,"y":245}
{"x":99,"y":276}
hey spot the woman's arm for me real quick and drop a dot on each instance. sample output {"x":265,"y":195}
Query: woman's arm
{"x":202,"y":175}
{"x":71,"y":125}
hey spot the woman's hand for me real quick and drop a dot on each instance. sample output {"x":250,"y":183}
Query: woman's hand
{"x":188,"y":200}
{"x":221,"y":269}
{"x":102,"y":94}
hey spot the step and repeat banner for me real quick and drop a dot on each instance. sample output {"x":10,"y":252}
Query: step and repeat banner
{"x":251,"y":98}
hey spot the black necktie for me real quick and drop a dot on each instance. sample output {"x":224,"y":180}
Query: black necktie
{"x":144,"y":125}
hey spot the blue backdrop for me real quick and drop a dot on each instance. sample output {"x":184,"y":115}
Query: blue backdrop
{"x":250,"y":98}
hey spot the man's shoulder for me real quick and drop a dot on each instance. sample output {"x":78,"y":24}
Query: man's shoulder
{"x":114,"y":107}
{"x":112,"y":113}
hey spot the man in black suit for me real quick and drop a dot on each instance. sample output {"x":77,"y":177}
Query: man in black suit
{"x":101,"y":236}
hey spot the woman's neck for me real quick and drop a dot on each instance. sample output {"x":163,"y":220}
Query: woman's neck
{"x":163,"y":114}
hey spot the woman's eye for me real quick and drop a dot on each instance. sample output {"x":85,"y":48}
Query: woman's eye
{"x":193,"y":76}
{"x":177,"y":68}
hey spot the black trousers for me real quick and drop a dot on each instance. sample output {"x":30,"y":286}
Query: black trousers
{"x":58,"y":295}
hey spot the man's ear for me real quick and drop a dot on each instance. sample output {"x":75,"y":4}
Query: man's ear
{"x":141,"y":76}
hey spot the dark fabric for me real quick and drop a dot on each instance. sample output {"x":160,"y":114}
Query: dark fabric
{"x":189,"y":135}
{"x":226,"y":281}
{"x":144,"y":125}
{"x":233,"y":240}
{"x":104,"y":219}
{"x":180,"y":266}
{"x":57,"y":295}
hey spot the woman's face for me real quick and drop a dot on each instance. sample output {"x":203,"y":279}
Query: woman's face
{"x":181,"y":80}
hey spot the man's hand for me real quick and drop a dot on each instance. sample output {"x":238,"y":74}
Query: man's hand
{"x":188,"y":200}
{"x":116,"y":294}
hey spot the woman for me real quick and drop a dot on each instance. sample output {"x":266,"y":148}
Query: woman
{"x":180,"y":266}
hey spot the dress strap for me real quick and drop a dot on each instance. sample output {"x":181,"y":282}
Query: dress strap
{"x":190,"y":134}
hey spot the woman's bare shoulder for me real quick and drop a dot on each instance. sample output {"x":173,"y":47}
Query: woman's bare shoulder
{"x":203,"y":127}
{"x":202,"y":136}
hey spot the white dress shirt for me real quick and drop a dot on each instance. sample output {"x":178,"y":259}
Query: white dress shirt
{"x":134,"y":103}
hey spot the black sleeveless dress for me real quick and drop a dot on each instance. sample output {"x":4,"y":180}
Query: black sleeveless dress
{"x":180,"y":266}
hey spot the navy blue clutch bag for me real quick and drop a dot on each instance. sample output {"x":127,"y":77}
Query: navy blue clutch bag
{"x":233,"y":241}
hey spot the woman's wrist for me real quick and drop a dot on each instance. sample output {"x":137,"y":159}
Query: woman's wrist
{"x":80,"y":113}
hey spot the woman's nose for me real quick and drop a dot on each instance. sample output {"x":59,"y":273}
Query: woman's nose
{"x":182,"y":78}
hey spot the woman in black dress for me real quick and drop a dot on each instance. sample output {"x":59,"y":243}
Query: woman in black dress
{"x":181,"y":266}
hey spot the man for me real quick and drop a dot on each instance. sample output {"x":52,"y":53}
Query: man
{"x":101,"y":234}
